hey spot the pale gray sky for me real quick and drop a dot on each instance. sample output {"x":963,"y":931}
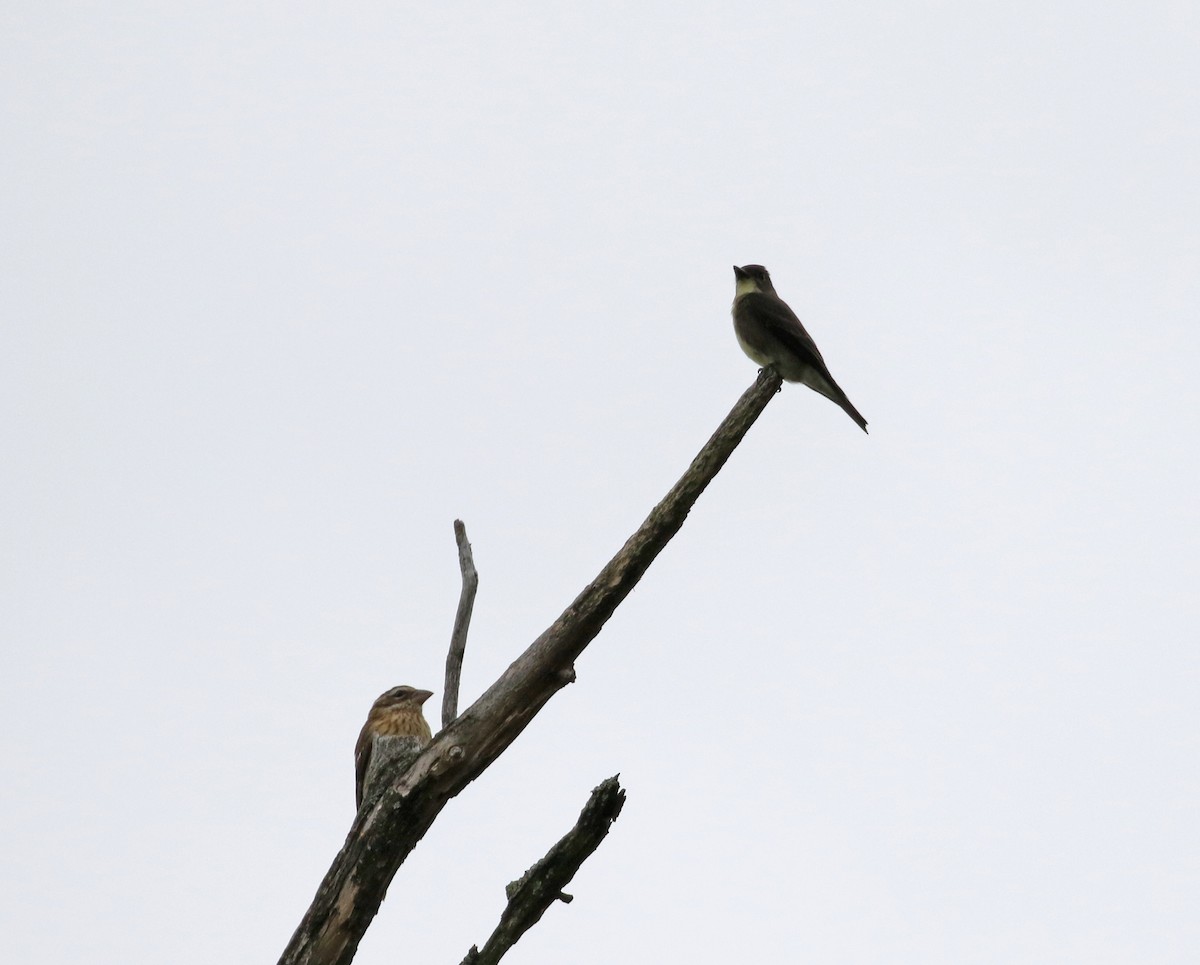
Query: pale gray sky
{"x":286,"y":289}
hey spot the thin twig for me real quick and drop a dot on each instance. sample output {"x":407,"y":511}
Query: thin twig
{"x":543,"y":884}
{"x":462,"y":621}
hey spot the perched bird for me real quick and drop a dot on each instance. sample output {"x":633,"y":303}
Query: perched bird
{"x":396,"y":713}
{"x":771,"y":334}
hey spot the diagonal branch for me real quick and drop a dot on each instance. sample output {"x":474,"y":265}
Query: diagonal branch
{"x":384,"y":833}
{"x":542,"y":885}
{"x":462,"y":621}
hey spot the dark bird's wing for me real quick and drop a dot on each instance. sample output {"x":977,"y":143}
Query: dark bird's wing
{"x":362,"y":760}
{"x":782,"y":324}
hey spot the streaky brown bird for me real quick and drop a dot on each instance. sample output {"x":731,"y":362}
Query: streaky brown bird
{"x":770,"y":333}
{"x":396,"y":713}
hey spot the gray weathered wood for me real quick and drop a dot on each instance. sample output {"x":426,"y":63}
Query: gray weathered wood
{"x":385,"y":832}
{"x":389,"y":753}
{"x":462,"y":621}
{"x":542,"y":885}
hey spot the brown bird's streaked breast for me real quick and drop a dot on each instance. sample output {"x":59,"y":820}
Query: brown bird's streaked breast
{"x":396,"y":713}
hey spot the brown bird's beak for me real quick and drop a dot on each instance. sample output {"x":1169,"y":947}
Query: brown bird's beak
{"x":739,"y":273}
{"x":423,"y":695}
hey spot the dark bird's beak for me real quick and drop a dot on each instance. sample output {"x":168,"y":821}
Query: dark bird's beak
{"x":738,"y":273}
{"x":423,"y":695}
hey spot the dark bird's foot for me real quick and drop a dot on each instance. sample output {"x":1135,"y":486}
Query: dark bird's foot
{"x":765,"y":373}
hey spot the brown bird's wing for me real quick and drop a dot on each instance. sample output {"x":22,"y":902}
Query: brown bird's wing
{"x":362,"y":760}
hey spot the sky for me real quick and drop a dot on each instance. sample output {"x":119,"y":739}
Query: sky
{"x":288,"y":288}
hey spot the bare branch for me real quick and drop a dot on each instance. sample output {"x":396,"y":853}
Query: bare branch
{"x":385,"y":832}
{"x":462,"y":621}
{"x":543,"y":884}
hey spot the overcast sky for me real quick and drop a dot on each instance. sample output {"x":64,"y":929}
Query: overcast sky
{"x":287,"y":288}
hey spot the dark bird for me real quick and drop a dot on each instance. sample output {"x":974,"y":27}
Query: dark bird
{"x":771,"y":334}
{"x":396,"y":713}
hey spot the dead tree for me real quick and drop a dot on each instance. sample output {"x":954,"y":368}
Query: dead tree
{"x":389,"y":825}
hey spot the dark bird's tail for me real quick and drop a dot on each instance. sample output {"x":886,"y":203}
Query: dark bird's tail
{"x":852,"y":412}
{"x":820,"y":381}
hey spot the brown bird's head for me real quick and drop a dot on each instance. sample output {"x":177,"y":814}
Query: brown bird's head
{"x":396,"y":713}
{"x":752,"y":278}
{"x":402,"y":696}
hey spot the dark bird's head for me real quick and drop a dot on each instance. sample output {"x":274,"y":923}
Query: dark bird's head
{"x":402,"y":696}
{"x":752,"y":278}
